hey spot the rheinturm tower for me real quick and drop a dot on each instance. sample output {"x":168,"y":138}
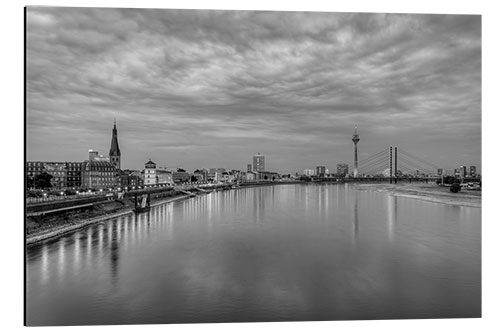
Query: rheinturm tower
{"x":114,"y":151}
{"x":355,"y":139}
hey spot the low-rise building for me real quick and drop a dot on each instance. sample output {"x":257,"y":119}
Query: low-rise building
{"x":58,"y":172}
{"x":74,"y":174}
{"x":64,"y":174}
{"x":164,"y":177}
{"x":150,"y":173}
{"x":180,"y":176}
{"x":130,"y":178}
{"x":267,"y":175}
{"x":250,"y":176}
{"x":98,"y":174}
{"x":212,"y":173}
{"x":201,"y":175}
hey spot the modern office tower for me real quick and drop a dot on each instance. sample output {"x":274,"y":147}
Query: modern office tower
{"x":472,"y":171}
{"x":320,"y":171}
{"x":342,"y":169}
{"x":259,"y":162}
{"x":463,"y":171}
{"x":249,"y":167}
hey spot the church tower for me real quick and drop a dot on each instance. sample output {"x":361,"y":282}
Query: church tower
{"x":114,"y":151}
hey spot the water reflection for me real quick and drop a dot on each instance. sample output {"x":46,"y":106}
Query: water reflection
{"x":45,"y":266}
{"x":114,"y":253}
{"x":259,"y":204}
{"x":61,"y":255}
{"x":392,"y":211}
{"x":267,"y":253}
{"x":355,"y":220}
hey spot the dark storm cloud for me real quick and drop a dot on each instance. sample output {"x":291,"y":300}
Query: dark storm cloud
{"x":184,"y":84}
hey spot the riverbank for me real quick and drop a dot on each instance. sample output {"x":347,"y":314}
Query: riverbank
{"x":61,"y":224}
{"x":428,"y":192}
{"x":52,"y":226}
{"x":49,"y":226}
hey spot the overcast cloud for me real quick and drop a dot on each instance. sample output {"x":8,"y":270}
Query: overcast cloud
{"x":212,"y":88}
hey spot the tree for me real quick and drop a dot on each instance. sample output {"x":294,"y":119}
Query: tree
{"x":43,"y":180}
{"x":194,"y":179}
{"x":450,"y":180}
{"x":30,"y":182}
{"x":181,"y":170}
{"x":455,"y":187}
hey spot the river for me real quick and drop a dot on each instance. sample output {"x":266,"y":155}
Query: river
{"x":274,"y":253}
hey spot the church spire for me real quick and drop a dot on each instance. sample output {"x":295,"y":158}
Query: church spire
{"x":114,"y":151}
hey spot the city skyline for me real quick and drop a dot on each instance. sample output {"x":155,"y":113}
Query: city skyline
{"x":211,"y":88}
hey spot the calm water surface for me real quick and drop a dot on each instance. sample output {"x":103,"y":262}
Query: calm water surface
{"x":277,"y":253}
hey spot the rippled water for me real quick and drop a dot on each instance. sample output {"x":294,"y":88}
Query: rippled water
{"x":277,"y":253}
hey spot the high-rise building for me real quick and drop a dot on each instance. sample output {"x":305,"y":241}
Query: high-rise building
{"x":463,"y":171}
{"x":259,"y":162}
{"x":472,"y":171}
{"x":249,"y":167}
{"x":342,"y":169}
{"x":308,"y":172}
{"x":114,"y":151}
{"x":355,"y":139}
{"x":320,"y":171}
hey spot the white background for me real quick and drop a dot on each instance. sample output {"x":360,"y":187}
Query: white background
{"x":12,"y":164}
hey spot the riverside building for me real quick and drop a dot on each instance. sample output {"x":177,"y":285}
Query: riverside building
{"x":150,"y":173}
{"x":320,"y":171}
{"x":259,"y":163}
{"x":472,"y":171}
{"x":98,"y":175}
{"x":342,"y":169}
{"x":64,"y":174}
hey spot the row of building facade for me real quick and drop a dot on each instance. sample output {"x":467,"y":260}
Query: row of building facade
{"x":99,"y":174}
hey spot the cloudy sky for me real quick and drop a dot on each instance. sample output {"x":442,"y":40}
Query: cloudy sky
{"x":212,"y":88}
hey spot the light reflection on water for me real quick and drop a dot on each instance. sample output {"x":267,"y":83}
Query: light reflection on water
{"x":290,"y":252}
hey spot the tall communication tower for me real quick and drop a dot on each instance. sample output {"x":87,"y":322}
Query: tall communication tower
{"x":355,"y":139}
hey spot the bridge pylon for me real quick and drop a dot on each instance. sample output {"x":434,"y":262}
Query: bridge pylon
{"x":390,"y":165}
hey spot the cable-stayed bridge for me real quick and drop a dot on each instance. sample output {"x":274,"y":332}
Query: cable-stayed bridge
{"x":395,"y":164}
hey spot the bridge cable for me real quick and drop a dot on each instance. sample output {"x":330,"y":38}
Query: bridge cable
{"x":421,"y":160}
